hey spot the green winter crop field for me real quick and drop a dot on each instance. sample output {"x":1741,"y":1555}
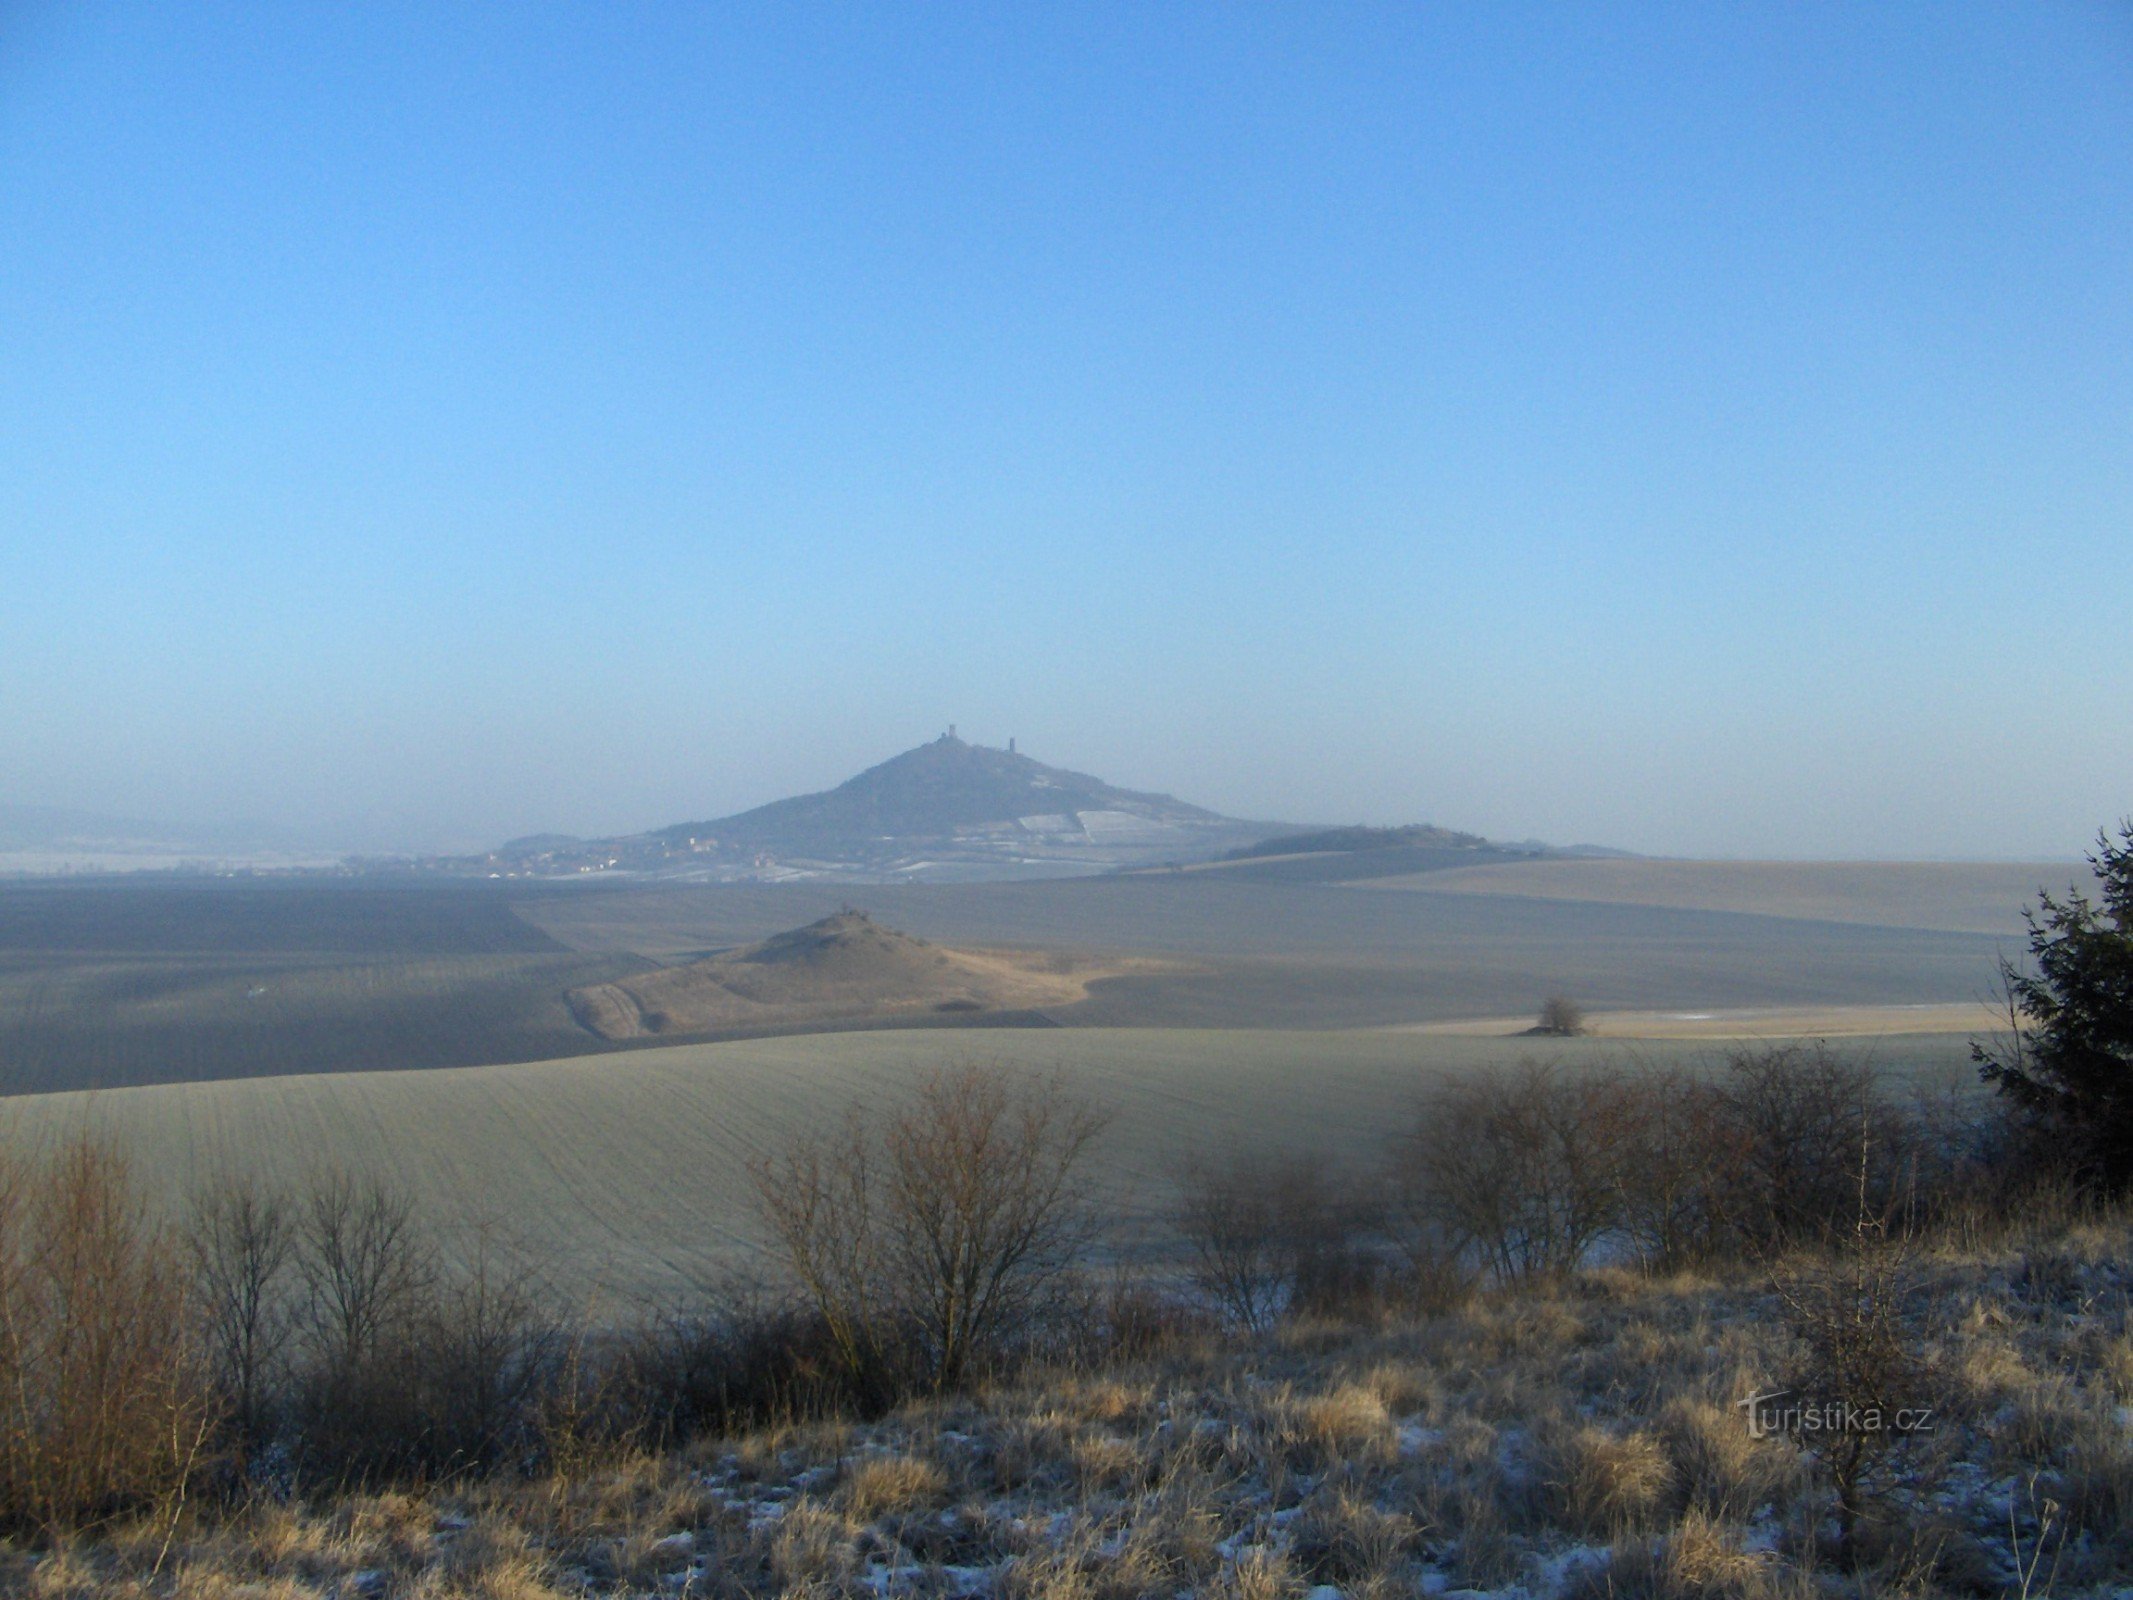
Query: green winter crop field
{"x":629,"y":1171}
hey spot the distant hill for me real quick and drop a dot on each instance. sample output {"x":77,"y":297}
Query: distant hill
{"x":843,"y":966}
{"x":950,"y":810}
{"x":940,"y":791}
{"x":947,"y":809}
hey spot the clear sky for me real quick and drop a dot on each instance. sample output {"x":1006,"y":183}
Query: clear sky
{"x":1702,"y":429}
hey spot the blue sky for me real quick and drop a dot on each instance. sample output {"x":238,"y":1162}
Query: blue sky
{"x":1700,"y":429}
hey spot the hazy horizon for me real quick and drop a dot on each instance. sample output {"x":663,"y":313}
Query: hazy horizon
{"x":1701,"y":433}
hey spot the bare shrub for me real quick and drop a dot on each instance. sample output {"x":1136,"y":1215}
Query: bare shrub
{"x":363,"y":1265}
{"x":723,"y":1361}
{"x":1674,"y":1142}
{"x":1232,"y":1225}
{"x":242,"y":1237}
{"x":365,"y":1274}
{"x":1269,"y":1234}
{"x":935,"y":1248}
{"x":818,"y":1198}
{"x":104,"y":1404}
{"x":1763,"y":1154}
{"x":484,"y":1350}
{"x":1519,"y":1169}
{"x":985,"y":1209}
{"x":1561,"y":1017}
{"x":1134,"y":1320}
{"x":1786,"y":1147}
{"x":1856,"y":1355}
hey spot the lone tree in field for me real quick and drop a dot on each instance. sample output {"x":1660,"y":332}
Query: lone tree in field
{"x":929,"y":1247}
{"x":1561,"y":1017}
{"x":2069,"y":1061}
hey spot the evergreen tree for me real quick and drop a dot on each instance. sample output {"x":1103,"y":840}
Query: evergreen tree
{"x":2069,"y":1065}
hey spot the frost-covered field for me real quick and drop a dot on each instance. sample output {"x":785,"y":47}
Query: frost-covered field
{"x":1580,"y":1440}
{"x":628,"y":1173}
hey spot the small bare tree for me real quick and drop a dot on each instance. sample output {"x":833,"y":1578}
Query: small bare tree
{"x":242,"y":1238}
{"x":365,"y":1275}
{"x":1231,"y":1222}
{"x":1793,"y":1115}
{"x":1860,"y":1363}
{"x":1672,"y":1141}
{"x":935,"y":1244}
{"x":817,"y":1198}
{"x":986,"y":1208}
{"x":1560,"y":1017}
{"x":363,"y":1266}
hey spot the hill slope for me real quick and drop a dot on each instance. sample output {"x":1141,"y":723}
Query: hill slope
{"x":842,"y":966}
{"x":937,"y":792}
{"x":948,"y":809}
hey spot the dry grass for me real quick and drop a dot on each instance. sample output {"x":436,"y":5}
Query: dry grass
{"x":892,"y":1486}
{"x":1701,"y":1558}
{"x":1607,"y":1483}
{"x":1579,"y":1439}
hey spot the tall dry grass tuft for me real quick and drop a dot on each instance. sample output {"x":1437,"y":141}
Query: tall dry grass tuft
{"x":104,"y":1405}
{"x":1344,"y":1426}
{"x":1719,"y":1469}
{"x":888,"y":1486}
{"x":1341,"y":1537}
{"x":1608,"y":1484}
{"x":1701,"y":1558}
{"x":1262,"y":1574}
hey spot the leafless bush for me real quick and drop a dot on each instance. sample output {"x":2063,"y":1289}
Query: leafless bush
{"x":365,"y":1275}
{"x":1561,"y":1016}
{"x":1860,"y":1364}
{"x":1529,"y":1171}
{"x":928,"y":1250}
{"x":1519,"y":1169}
{"x":1231,"y":1224}
{"x":104,"y":1406}
{"x":1269,"y":1234}
{"x":363,"y":1264}
{"x":241,"y":1238}
{"x":484,"y":1348}
{"x":404,"y":1367}
{"x":724,"y":1361}
{"x":1674,"y":1144}
{"x":1786,"y":1145}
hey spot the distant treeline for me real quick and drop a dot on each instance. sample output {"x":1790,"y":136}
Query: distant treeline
{"x":1414,"y":835}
